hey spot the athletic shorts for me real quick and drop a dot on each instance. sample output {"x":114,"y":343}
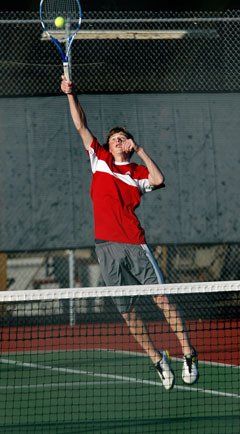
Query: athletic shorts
{"x":127,"y":264}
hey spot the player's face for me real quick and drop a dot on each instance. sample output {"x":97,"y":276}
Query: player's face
{"x":115,"y":143}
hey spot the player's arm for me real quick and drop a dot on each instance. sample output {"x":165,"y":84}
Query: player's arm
{"x":156,"y":177}
{"x":77,"y":113}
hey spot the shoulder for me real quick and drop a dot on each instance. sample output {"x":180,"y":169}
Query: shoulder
{"x":95,"y":144}
{"x":97,"y":151}
{"x":96,"y":147}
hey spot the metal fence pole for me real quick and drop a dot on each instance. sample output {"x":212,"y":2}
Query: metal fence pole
{"x":71,"y":263}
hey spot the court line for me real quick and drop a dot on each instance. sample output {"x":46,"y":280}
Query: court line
{"x":114,"y":377}
{"x":58,"y":385}
{"x":124,"y":352}
{"x":177,"y":359}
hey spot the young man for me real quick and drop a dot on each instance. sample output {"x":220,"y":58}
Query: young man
{"x":124,"y":257}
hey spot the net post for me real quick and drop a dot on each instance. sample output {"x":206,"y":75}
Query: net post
{"x":71,"y":263}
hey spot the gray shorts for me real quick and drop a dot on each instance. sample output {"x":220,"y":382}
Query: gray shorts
{"x":127,"y":264}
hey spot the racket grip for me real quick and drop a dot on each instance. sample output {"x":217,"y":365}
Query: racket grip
{"x":66,"y":71}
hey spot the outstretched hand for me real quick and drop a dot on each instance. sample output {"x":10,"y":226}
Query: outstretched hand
{"x":66,"y":86}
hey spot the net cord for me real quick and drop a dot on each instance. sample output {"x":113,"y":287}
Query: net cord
{"x":113,"y":291}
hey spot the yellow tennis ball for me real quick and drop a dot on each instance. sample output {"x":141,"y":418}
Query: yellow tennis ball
{"x":59,"y":22}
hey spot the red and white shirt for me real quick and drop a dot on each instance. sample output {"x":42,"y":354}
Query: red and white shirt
{"x":116,"y":192}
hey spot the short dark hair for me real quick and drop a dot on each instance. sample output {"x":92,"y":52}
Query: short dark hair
{"x":117,"y":130}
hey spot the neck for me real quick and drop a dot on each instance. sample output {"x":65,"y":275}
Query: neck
{"x":121,"y":160}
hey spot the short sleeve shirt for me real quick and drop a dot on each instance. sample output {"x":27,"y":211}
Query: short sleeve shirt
{"x":116,"y":192}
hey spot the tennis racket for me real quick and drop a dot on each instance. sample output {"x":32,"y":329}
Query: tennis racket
{"x":70,"y":13}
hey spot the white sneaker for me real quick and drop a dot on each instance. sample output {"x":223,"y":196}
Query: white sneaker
{"x":164,"y":371}
{"x":190,"y":372}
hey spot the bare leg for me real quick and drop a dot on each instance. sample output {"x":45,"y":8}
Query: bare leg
{"x":161,"y":361}
{"x":139,"y":330}
{"x":174,"y":319}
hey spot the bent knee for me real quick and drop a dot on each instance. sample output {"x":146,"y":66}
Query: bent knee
{"x":129,"y":316}
{"x":125,"y":316}
{"x":162,"y":301}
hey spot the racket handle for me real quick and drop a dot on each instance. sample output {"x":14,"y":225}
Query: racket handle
{"x":66,"y":71}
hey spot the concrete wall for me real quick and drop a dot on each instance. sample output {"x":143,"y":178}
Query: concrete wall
{"x":45,"y":173}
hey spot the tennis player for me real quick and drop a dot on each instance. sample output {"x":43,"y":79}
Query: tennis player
{"x":121,"y":248}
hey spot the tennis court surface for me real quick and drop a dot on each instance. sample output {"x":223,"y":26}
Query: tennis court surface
{"x":70,"y":365}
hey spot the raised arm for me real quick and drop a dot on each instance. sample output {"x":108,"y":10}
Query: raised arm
{"x":77,"y":112}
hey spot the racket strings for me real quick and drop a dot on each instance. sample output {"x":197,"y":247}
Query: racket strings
{"x":68,"y":9}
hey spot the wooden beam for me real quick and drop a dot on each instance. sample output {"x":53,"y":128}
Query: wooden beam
{"x":134,"y":34}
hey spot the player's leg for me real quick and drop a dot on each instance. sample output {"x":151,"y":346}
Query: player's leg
{"x":115,"y":266}
{"x":160,"y":360}
{"x":190,"y":372}
{"x":153,"y":274}
{"x":140,"y":332}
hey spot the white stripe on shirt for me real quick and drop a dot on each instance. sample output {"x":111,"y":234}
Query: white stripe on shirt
{"x":98,"y":165}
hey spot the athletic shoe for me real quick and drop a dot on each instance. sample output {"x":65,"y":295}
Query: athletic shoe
{"x":190,"y":372}
{"x":164,"y":371}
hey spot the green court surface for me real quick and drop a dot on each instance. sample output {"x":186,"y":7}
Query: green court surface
{"x":103,"y":391}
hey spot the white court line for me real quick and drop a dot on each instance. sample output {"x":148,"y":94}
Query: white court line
{"x":58,"y":385}
{"x":177,"y":359}
{"x":122,"y":352}
{"x":116,"y":378}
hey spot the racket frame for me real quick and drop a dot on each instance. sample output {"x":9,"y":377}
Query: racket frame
{"x":68,"y":39}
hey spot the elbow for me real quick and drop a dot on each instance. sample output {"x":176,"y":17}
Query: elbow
{"x":161,"y":179}
{"x":158,"y":181}
{"x":81,"y":130}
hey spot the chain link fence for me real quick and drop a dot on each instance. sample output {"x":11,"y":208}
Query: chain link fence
{"x":79,"y":268}
{"x":122,"y":52}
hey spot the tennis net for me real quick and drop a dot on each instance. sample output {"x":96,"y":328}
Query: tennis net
{"x":70,"y":363}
